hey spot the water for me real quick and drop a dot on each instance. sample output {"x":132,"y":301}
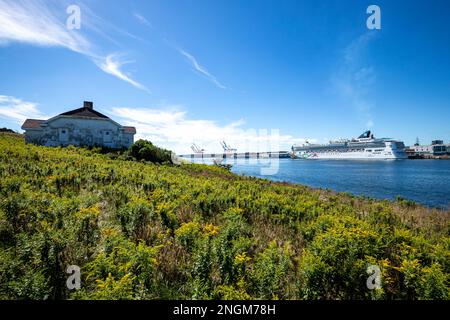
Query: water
{"x":424,"y":181}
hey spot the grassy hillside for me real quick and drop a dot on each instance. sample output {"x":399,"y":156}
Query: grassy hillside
{"x":145,"y":231}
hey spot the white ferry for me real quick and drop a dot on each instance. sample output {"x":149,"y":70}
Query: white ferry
{"x":363,"y":147}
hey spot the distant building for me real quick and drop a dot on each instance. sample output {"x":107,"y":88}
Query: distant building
{"x":80,"y":127}
{"x":422,"y":150}
{"x":437,"y":148}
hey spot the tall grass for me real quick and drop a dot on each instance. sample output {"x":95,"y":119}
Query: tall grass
{"x":140,"y":230}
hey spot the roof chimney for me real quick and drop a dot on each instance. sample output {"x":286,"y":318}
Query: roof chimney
{"x":88,"y":105}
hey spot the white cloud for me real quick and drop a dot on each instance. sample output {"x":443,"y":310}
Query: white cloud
{"x":201,"y":69}
{"x":173,"y":129}
{"x":112,"y":64}
{"x":43,"y":24}
{"x":33,"y":22}
{"x":353,"y":52}
{"x":17,"y":110}
{"x":143,"y":20}
{"x":354,"y":79}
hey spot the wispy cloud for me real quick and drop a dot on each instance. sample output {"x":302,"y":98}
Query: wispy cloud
{"x":202,"y":70}
{"x":17,"y":110}
{"x":143,"y":20}
{"x":354,"y":78}
{"x":43,"y":24}
{"x":33,"y":22}
{"x":172,"y":128}
{"x":112,"y":65}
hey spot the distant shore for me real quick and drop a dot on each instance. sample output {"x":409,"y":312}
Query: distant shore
{"x":446,"y":157}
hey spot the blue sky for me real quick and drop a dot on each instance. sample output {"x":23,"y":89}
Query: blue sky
{"x":203,"y":71}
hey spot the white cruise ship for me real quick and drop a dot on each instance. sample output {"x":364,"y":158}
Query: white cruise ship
{"x":364,"y":147}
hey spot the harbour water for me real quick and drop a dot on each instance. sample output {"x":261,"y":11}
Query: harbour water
{"x":424,"y":181}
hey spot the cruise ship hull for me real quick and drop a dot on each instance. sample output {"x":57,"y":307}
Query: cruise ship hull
{"x":356,"y":155}
{"x":366,"y":147}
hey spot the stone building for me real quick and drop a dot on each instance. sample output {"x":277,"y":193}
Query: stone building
{"x":80,"y":127}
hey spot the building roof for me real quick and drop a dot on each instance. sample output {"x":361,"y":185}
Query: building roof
{"x":32,"y":124}
{"x":129,"y":130}
{"x":84,"y":112}
{"x":87,"y":111}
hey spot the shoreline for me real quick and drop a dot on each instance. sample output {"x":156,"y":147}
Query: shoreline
{"x":394,"y":200}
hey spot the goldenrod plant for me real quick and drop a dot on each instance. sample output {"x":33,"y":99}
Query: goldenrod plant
{"x":145,"y":229}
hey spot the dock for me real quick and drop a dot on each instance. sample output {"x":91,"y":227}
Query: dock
{"x":239,"y":155}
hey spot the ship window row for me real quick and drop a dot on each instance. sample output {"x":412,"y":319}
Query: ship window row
{"x":343,"y":148}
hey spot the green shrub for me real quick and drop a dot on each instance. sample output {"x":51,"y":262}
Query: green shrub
{"x":145,"y":150}
{"x":334,"y":264}
{"x":134,"y":218}
{"x":123,"y":268}
{"x":188,"y":234}
{"x":270,"y":270}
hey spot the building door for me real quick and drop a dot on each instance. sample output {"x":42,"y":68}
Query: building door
{"x":107,"y":138}
{"x":63,"y":135}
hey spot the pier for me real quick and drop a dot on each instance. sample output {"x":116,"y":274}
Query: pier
{"x":239,"y":155}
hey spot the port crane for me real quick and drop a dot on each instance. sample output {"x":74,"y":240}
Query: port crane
{"x":197,"y":149}
{"x":226,"y":147}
